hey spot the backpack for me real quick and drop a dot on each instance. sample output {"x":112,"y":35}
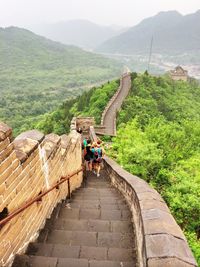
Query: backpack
{"x":98,"y":155}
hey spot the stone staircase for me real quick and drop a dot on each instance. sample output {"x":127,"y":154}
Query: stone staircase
{"x":93,"y":230}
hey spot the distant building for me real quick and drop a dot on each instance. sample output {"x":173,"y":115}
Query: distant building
{"x":179,"y":74}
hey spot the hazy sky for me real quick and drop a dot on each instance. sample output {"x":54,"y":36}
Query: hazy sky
{"x":106,"y":12}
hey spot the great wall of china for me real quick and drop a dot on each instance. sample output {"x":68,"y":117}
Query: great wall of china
{"x":38,"y":173}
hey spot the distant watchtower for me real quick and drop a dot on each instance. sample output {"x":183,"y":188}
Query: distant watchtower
{"x":179,"y":74}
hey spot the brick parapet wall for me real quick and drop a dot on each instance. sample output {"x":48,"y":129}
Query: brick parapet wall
{"x":30,"y":165}
{"x":160,"y":241}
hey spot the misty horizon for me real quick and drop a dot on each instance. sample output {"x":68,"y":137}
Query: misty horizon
{"x":124,"y":13}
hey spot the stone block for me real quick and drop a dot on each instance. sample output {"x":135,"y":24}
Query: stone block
{"x":157,"y":222}
{"x":65,"y":140}
{"x":4,"y":144}
{"x":147,"y":204}
{"x":49,"y":147}
{"x":21,"y":156}
{"x":26,"y":146}
{"x":167,"y":246}
{"x":5,"y":131}
{"x":6,"y":152}
{"x":53,"y":138}
{"x":32,"y":134}
{"x":169,"y":262}
{"x":5,"y":175}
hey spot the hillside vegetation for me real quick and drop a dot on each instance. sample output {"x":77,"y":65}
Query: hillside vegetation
{"x":37,"y":74}
{"x":90,"y":103}
{"x":158,"y":139}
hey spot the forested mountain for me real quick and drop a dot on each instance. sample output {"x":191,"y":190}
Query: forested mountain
{"x":82,"y":33}
{"x":37,"y":74}
{"x":158,"y":139}
{"x":172,"y":34}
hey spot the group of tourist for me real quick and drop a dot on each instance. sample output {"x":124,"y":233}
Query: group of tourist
{"x":92,"y":154}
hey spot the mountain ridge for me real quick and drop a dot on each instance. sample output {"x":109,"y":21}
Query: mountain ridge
{"x":82,"y":33}
{"x":171,"y":31}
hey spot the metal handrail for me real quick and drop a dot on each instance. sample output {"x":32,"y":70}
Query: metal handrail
{"x":38,"y":198}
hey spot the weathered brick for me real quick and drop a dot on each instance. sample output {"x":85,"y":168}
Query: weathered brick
{"x":4,"y":144}
{"x":13,"y":176}
{"x":27,"y":180}
{"x":2,"y":189}
{"x":5,"y":174}
{"x":5,"y":164}
{"x":6,"y":152}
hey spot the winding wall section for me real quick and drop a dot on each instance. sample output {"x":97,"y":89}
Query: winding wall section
{"x":108,"y":120}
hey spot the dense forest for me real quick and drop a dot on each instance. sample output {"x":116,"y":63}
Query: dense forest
{"x":90,"y":103}
{"x":158,"y":139}
{"x":37,"y":74}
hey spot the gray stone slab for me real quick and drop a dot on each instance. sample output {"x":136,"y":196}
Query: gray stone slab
{"x":111,"y":214}
{"x":150,"y":196}
{"x":40,"y":249}
{"x":118,"y":240}
{"x":26,"y":146}
{"x":72,"y":263}
{"x":109,"y":200}
{"x":147,"y":204}
{"x":121,"y":201}
{"x":94,"y":253}
{"x":94,"y":263}
{"x":39,"y":261}
{"x":123,"y":206}
{"x":91,"y":205}
{"x":53,"y":138}
{"x":108,"y":192}
{"x":105,"y":206}
{"x":84,"y":239}
{"x":32,"y":134}
{"x":69,"y":213}
{"x":85,"y":202}
{"x":98,"y":226}
{"x":71,"y":225}
{"x":169,"y":262}
{"x":126,"y":215}
{"x":89,"y":213}
{"x":120,"y":254}
{"x":59,"y":237}
{"x":167,"y":246}
{"x":90,"y":197}
{"x":121,"y":226}
{"x":63,"y":251}
{"x":157,"y":221}
{"x":75,"y":205}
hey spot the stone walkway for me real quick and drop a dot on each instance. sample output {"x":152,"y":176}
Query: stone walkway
{"x":94,"y":230}
{"x":110,"y":116}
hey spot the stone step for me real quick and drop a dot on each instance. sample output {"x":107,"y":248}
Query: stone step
{"x":100,"y":214}
{"x":87,"y":204}
{"x":40,"y":261}
{"x":97,"y":191}
{"x":105,"y":200}
{"x":95,"y":196}
{"x":96,"y":239}
{"x":82,"y":252}
{"x":90,"y":225}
